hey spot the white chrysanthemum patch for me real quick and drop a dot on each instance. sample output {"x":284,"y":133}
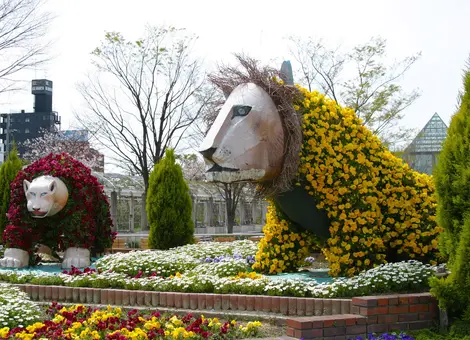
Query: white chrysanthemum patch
{"x":16,"y":309}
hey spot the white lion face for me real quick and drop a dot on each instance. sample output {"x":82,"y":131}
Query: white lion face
{"x":46,"y":196}
{"x":245,"y":143}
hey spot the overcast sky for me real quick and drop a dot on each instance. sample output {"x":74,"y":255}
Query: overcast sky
{"x":436,"y":28}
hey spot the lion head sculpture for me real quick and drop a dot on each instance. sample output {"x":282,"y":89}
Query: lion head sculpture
{"x":46,"y":195}
{"x":257,"y":134}
{"x":246,"y":141}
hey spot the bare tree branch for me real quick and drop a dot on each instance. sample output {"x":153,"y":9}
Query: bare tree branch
{"x":374,"y":92}
{"x":23,"y":28}
{"x":144,"y":97}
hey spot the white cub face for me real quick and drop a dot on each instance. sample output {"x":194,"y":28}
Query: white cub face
{"x":46,"y":196}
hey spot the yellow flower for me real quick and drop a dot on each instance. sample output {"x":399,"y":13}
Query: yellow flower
{"x":4,"y":331}
{"x":34,"y":327}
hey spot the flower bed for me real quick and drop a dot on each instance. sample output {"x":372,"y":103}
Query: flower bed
{"x":80,"y":322}
{"x":179,"y":259}
{"x":16,"y":309}
{"x":221,"y":278}
{"x":223,"y":268}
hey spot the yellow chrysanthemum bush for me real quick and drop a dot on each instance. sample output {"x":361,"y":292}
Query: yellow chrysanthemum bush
{"x":282,"y":248}
{"x":380,"y":209}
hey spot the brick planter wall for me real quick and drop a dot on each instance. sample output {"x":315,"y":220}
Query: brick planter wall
{"x":327,"y":319}
{"x":369,"y":314}
{"x":291,"y":306}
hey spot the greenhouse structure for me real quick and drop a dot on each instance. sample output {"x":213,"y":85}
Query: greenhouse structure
{"x":423,"y":151}
{"x":126,"y":197}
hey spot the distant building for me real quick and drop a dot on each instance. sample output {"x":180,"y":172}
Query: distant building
{"x":22,"y":126}
{"x":74,"y":135}
{"x":423,"y":151}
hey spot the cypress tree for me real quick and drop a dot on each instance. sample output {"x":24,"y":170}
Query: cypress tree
{"x":8,"y":172}
{"x":169,"y":205}
{"x":452,"y":180}
{"x":452,"y":176}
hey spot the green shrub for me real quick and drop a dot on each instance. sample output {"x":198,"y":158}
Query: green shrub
{"x":169,"y":206}
{"x":427,"y":334}
{"x":452,"y":176}
{"x":452,"y":180}
{"x":8,"y":172}
{"x":460,"y":328}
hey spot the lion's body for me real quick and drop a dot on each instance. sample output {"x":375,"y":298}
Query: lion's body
{"x":366,"y":204}
{"x":378,"y":209}
{"x":84,"y":222}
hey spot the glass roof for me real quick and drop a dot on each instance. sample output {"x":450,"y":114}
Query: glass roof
{"x":430,"y":138}
{"x":126,"y":185}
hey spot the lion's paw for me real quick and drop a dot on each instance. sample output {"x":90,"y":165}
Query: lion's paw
{"x":15,"y":258}
{"x":78,"y":262}
{"x":76,"y":257}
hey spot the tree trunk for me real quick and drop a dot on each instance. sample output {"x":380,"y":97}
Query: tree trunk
{"x":230,"y":214}
{"x":230,"y":222}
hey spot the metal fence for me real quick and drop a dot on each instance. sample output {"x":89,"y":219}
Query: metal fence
{"x":126,"y":196}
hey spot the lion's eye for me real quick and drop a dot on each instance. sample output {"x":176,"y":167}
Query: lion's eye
{"x":33,"y":194}
{"x":240,"y":110}
{"x":43,"y":194}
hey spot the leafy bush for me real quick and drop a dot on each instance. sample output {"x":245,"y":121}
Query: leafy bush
{"x":8,"y":172}
{"x":453,"y":190}
{"x":460,"y":328}
{"x":430,"y":334}
{"x":385,"y":336}
{"x":169,"y":206}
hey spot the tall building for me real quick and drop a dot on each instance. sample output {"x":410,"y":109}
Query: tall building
{"x":22,"y":126}
{"x":423,"y":151}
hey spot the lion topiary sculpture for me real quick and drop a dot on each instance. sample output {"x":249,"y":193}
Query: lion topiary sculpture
{"x":65,"y":209}
{"x":331,"y":183}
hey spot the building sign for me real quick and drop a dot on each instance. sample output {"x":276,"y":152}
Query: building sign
{"x":41,"y":86}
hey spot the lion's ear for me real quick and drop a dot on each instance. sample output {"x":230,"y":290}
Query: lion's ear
{"x":227,"y":92}
{"x":52,"y":186}
{"x":26,"y":186}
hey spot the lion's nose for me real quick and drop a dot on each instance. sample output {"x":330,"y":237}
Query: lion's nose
{"x":208,"y":153}
{"x":36,"y":209}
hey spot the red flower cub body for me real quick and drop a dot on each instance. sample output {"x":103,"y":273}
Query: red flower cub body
{"x":84,"y":221}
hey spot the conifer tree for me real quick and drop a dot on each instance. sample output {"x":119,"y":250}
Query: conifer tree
{"x":8,"y":171}
{"x":169,"y":205}
{"x":452,"y":176}
{"x":452,"y":180}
